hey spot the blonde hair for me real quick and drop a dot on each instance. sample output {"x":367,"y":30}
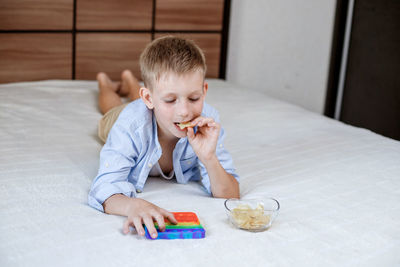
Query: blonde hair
{"x":170,"y":54}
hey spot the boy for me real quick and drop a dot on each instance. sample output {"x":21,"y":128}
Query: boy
{"x":145,"y":138}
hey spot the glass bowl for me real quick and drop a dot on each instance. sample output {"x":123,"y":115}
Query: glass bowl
{"x":252,"y":214}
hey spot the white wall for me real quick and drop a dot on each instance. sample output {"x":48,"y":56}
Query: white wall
{"x":282,"y":47}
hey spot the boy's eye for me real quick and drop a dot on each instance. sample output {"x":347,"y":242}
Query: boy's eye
{"x":169,"y":100}
{"x":194,"y":99}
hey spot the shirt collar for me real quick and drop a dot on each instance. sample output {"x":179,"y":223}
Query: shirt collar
{"x":155,"y":129}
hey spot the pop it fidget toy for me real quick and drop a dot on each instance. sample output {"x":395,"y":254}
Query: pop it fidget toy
{"x":188,"y":227}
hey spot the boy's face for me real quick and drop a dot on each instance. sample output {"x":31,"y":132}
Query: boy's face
{"x":176,"y":99}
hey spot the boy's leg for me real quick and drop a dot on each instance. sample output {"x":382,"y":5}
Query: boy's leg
{"x":108,"y":96}
{"x":129,"y":85}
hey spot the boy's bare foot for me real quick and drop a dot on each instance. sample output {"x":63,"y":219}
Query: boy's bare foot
{"x":129,"y":86}
{"x":105,"y":83}
{"x":108,"y":93}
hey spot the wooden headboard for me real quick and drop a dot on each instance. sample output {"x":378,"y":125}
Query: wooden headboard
{"x":75,"y":39}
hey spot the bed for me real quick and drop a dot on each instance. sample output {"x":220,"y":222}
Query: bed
{"x":338,"y":186}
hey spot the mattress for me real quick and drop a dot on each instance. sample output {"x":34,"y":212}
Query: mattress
{"x":338,"y":186}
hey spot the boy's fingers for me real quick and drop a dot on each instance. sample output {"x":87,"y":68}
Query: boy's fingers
{"x":195,"y":121}
{"x":170,"y":216}
{"x":205,"y":121}
{"x":125,"y":228}
{"x":148,"y":221}
{"x":212,"y":124}
{"x":138,"y":225}
{"x":199,"y":120}
{"x":160,"y":220}
{"x":190,"y":133}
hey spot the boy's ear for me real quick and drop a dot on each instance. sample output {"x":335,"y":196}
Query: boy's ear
{"x":145,"y":95}
{"x":205,"y":88}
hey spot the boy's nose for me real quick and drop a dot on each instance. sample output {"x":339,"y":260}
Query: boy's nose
{"x":183,"y":110}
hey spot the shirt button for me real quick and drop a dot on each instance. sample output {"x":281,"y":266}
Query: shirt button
{"x":150,"y":165}
{"x":189,"y":162}
{"x":220,"y":145}
{"x":107,"y":165}
{"x":138,"y":191}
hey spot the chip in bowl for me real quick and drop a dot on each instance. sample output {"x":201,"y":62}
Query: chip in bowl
{"x":252,"y":214}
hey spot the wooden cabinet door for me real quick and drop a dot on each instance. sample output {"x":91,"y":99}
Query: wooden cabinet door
{"x":108,"y":52}
{"x":114,"y":14}
{"x":35,"y":56}
{"x":371,"y":95}
{"x":36,"y":15}
{"x":189,"y":15}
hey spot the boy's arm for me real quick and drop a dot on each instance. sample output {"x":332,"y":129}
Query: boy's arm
{"x":204,"y":142}
{"x":111,"y":191}
{"x":223,"y":184}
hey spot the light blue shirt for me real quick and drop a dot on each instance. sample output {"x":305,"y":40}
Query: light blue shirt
{"x":132,"y":148}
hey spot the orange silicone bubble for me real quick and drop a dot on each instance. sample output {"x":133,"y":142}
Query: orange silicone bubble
{"x":185,"y":218}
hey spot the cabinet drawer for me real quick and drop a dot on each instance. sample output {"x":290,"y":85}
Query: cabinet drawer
{"x":36,"y":15}
{"x":189,"y":14}
{"x":114,"y":15}
{"x":109,"y":52}
{"x":35,"y":56}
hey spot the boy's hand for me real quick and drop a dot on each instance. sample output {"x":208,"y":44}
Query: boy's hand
{"x":204,"y":142}
{"x":142,"y":212}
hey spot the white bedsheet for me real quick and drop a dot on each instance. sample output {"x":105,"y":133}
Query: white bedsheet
{"x":339,"y":187}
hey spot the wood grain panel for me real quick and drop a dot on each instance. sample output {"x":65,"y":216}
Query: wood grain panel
{"x":189,"y":14}
{"x":114,"y":15}
{"x":110,"y":53}
{"x":210,"y":43}
{"x":38,"y":56}
{"x":36,"y":15}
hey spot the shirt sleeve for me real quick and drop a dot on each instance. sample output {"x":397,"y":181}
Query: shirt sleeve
{"x":223,"y":156}
{"x":117,"y":158}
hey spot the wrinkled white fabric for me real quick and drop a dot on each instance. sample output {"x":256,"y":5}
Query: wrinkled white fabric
{"x":339,"y":186}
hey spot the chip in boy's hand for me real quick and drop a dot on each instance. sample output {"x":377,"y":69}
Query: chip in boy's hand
{"x":184,"y":125}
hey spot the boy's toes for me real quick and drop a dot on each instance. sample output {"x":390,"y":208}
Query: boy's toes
{"x":106,"y":83}
{"x":103,"y":79}
{"x":101,"y":76}
{"x":130,"y":85}
{"x":126,"y":74}
{"x":129,"y":78}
